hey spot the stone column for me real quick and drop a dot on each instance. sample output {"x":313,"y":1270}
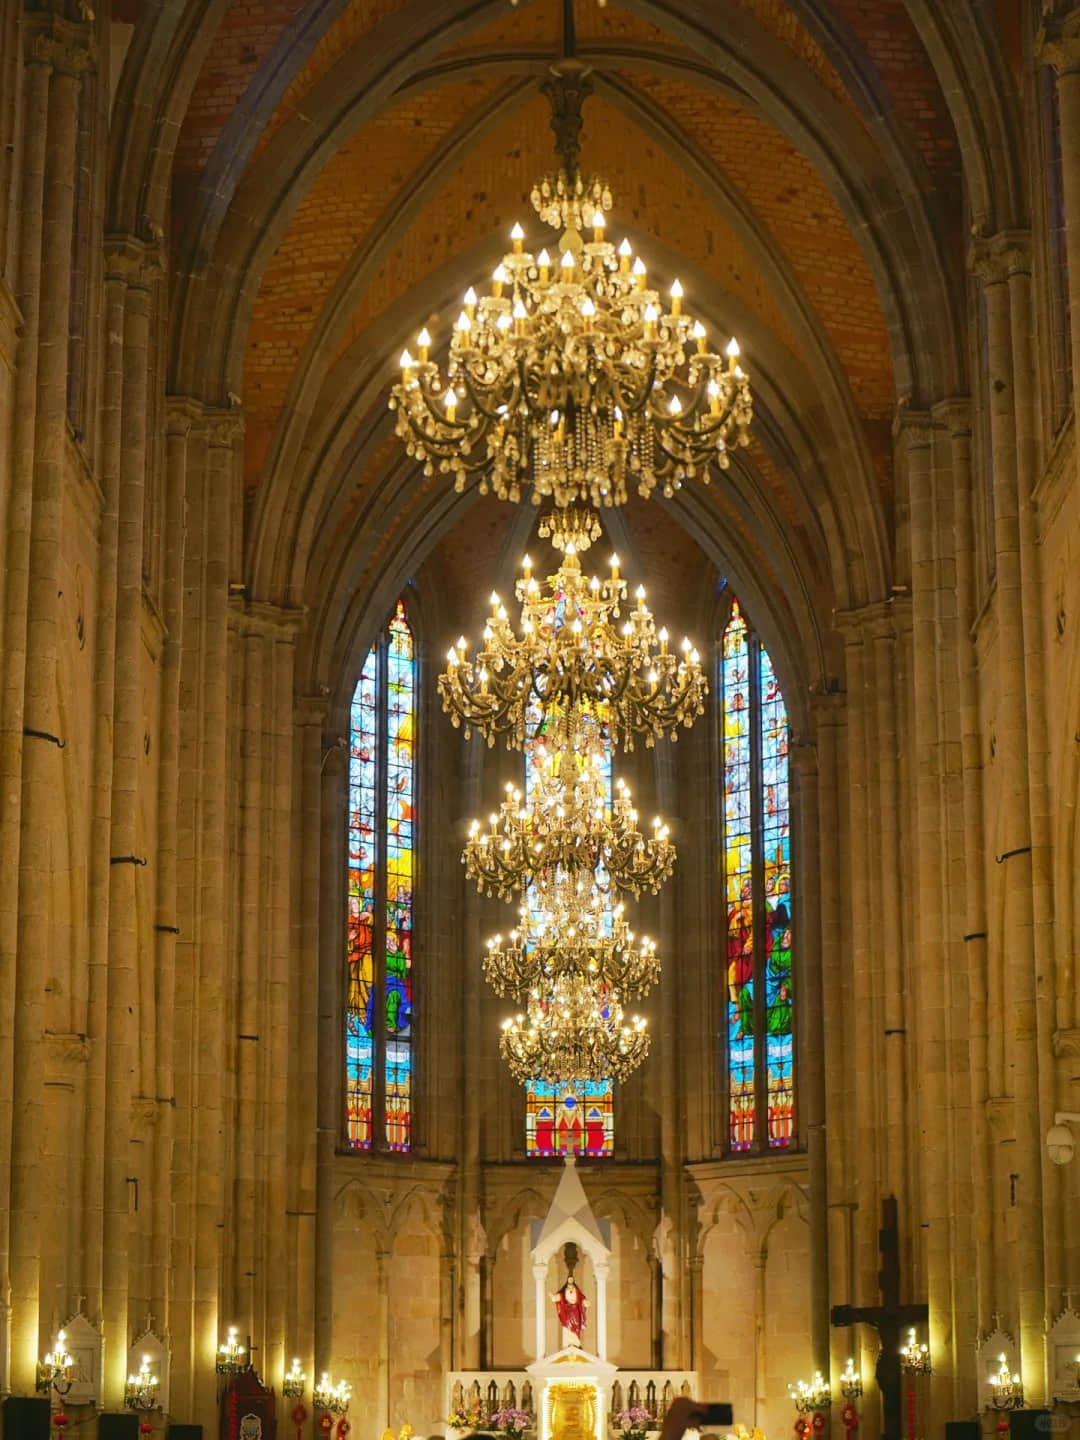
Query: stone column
{"x":600,"y":1270}
{"x":861,"y":1073}
{"x":540,"y":1290}
{"x":1059,"y":46}
{"x":926,"y":972}
{"x":1012,"y":1102}
{"x":215,"y":990}
{"x":139,"y":267}
{"x":181,"y":416}
{"x":331,"y":943}
{"x":57,"y":56}
{"x":302,"y":1145}
{"x":811,"y":1030}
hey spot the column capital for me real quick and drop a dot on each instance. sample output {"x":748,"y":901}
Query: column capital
{"x":133,"y":261}
{"x":310,"y":709}
{"x":993,"y":258}
{"x":181,"y":415}
{"x":260,"y":617}
{"x":66,"y":46}
{"x":911,"y":428}
{"x":953,"y":415}
{"x":224,"y":428}
{"x":1057,"y":42}
{"x":875,"y":621}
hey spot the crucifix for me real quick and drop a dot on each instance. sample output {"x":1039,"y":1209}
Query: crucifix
{"x":888,"y":1319}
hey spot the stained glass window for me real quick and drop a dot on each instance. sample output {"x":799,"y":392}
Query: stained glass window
{"x":381,"y":847}
{"x":557,"y":1119}
{"x":757,"y":880}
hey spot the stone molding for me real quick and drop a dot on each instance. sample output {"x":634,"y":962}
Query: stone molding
{"x":869,"y":622}
{"x":310,"y":709}
{"x":182,"y":415}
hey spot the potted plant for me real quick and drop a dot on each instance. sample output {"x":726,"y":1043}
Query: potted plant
{"x":513,"y":1423}
{"x":633,"y":1424}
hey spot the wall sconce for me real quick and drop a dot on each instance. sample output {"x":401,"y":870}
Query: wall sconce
{"x":232,"y":1357}
{"x":292,"y":1387}
{"x":332,"y":1395}
{"x":1008,"y":1390}
{"x":813,"y":1396}
{"x":54,"y":1369}
{"x":915,"y":1357}
{"x":140,"y":1392}
{"x":1060,"y":1145}
{"x":850,"y":1381}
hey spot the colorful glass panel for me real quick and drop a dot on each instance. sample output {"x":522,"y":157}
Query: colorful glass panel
{"x":738,"y":870}
{"x":381,"y":824}
{"x":776,"y":875}
{"x":581,"y":1119}
{"x":400,"y":733}
{"x":558,"y":1119}
{"x":360,"y":996}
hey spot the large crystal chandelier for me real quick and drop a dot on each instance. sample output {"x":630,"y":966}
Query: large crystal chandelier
{"x":573,"y":378}
{"x":580,"y":646}
{"x":565,"y":825}
{"x":601,"y":948}
{"x":573,"y":1030}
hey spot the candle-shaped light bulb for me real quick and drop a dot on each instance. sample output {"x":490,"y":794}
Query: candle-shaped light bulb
{"x":406,"y":360}
{"x":676,"y":297}
{"x":640,"y":273}
{"x":732,"y":352}
{"x":526,"y":565}
{"x":699,"y":334}
{"x":517,"y":235}
{"x":662,"y":636}
{"x":544,"y":261}
{"x":451,"y":404}
{"x":598,"y":225}
{"x":498,"y":280}
{"x":566,"y":260}
{"x":640,"y":592}
{"x":614,"y":567}
{"x":464,"y":323}
{"x":625,"y":251}
{"x":674,"y":406}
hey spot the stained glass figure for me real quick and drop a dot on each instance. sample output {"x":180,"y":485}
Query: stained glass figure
{"x":757,"y":881}
{"x":558,"y":1120}
{"x":381,"y":848}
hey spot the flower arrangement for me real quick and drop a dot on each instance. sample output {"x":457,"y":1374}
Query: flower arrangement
{"x":511,"y":1422}
{"x":469,"y":1417}
{"x":633,"y":1424}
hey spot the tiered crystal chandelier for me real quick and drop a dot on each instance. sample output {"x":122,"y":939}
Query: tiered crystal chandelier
{"x":580,"y":648}
{"x":572,"y":379}
{"x":565,"y":827}
{"x":573,"y":1030}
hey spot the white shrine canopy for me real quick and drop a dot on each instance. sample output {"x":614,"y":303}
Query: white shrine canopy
{"x":570,"y":1219}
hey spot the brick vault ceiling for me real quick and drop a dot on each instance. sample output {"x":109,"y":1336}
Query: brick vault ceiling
{"x":371,"y":197}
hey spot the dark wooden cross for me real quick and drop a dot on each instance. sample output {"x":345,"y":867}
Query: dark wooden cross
{"x":889,"y":1319}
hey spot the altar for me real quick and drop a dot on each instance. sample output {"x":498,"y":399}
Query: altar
{"x":570,"y":1391}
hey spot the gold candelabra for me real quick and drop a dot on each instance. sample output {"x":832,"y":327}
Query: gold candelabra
{"x":1006,"y":1387}
{"x":332,"y":1396}
{"x":915,"y":1356}
{"x":811,"y":1395}
{"x":140,"y":1392}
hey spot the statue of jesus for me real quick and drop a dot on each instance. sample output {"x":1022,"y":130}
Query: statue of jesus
{"x":571,"y":1307}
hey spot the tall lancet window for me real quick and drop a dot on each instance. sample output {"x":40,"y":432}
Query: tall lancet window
{"x":378,"y":1012}
{"x":558,"y":1118}
{"x":757,"y":878}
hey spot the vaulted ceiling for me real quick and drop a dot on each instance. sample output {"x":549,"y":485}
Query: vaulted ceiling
{"x":332,"y":174}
